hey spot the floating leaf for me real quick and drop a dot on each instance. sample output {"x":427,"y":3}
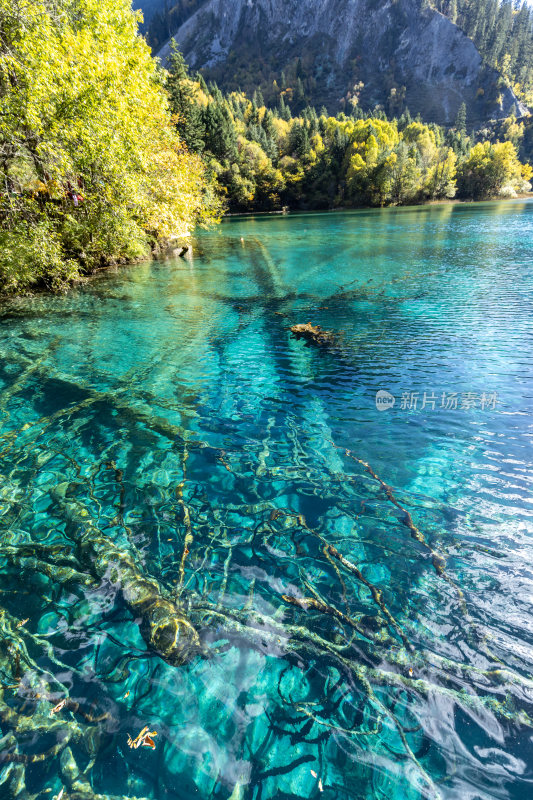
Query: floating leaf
{"x":60,"y":705}
{"x":148,"y":741}
{"x":144,"y":739}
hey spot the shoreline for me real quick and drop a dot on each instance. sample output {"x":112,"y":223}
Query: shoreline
{"x":165,"y":251}
{"x":445,"y":201}
{"x":442,"y":202}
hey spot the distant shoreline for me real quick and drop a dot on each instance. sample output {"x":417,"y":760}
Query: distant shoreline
{"x":522,"y":196}
{"x":442,"y":202}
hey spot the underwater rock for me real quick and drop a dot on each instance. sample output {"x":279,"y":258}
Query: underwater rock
{"x":313,"y":334}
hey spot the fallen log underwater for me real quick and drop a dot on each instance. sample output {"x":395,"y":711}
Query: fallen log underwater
{"x":30,"y":713}
{"x":173,"y":633}
{"x":313,"y":334}
{"x":163,"y":625}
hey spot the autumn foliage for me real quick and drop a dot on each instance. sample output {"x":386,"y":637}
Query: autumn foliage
{"x":92,"y":168}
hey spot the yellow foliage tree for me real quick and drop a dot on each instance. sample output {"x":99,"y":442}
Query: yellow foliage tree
{"x":491,"y":170}
{"x":86,"y":121}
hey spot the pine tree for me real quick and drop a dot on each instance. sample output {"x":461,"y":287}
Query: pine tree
{"x":299,"y":140}
{"x":284,"y":110}
{"x":338,"y":147}
{"x":460,"y":120}
{"x":502,"y":31}
{"x":258,"y":98}
{"x":203,"y":84}
{"x":254,"y":115}
{"x":271,"y":148}
{"x":220,"y":134}
{"x":187,"y":113}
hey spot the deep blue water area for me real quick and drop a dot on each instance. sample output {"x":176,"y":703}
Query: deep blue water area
{"x":304,"y":589}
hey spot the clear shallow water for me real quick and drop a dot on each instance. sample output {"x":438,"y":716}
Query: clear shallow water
{"x":360,"y":580}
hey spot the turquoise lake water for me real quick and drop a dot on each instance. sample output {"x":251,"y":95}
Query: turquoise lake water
{"x":359,"y":580}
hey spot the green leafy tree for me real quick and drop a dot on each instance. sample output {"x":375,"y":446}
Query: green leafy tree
{"x":93,"y":168}
{"x":492,"y":169}
{"x":439,"y":181}
{"x":404,"y":174}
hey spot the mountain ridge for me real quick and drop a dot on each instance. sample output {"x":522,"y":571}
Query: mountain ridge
{"x":393,"y":54}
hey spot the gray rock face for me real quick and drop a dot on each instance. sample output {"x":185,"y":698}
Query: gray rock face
{"x":383,"y":43}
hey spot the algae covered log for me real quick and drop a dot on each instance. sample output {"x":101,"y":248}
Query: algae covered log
{"x":313,"y":334}
{"x":36,"y":729}
{"x":163,"y":625}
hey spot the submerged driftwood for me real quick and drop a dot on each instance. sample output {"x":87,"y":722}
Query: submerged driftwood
{"x":371,"y":652}
{"x":313,"y":334}
{"x":36,"y":728}
{"x":163,"y":625}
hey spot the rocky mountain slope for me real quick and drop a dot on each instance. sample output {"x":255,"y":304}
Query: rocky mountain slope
{"x":404,"y":55}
